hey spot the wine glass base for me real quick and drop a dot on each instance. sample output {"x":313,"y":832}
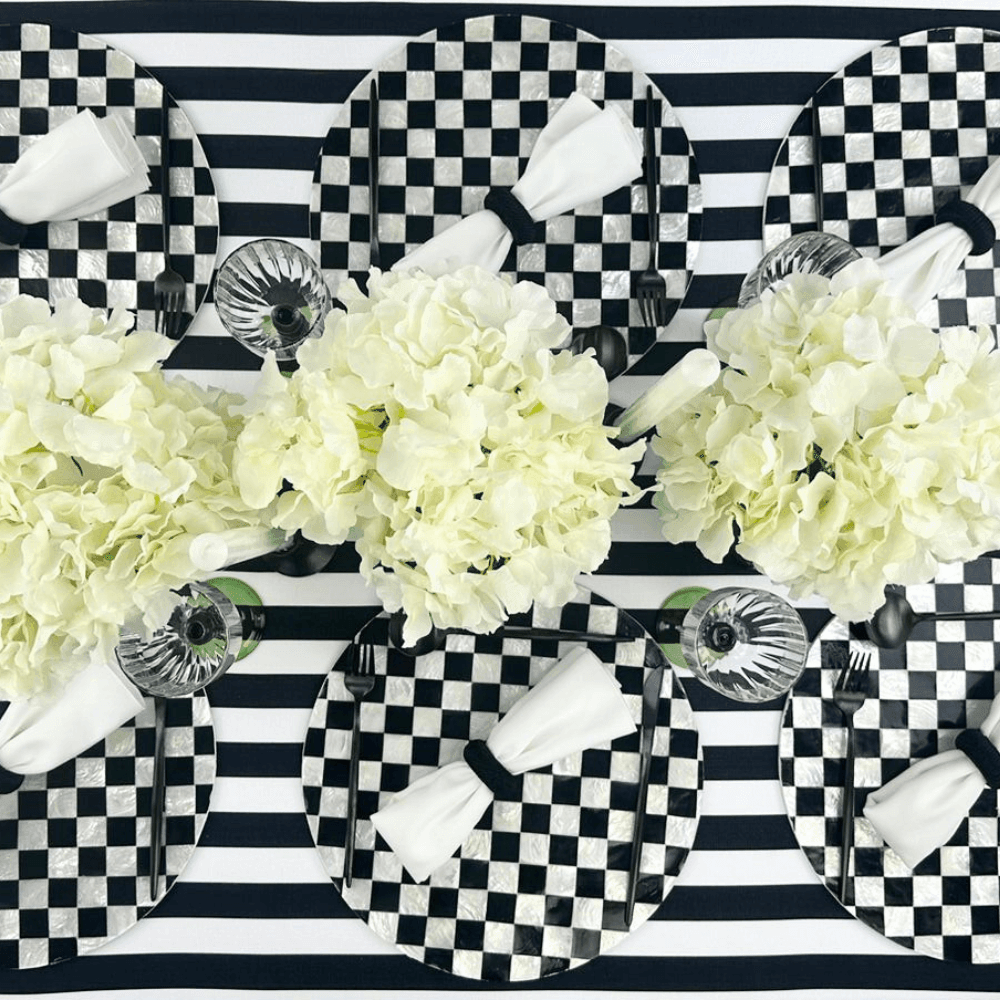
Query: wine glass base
{"x":682,"y":600}
{"x":251,"y":610}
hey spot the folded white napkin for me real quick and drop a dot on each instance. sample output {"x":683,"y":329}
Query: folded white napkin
{"x":921,"y":267}
{"x":576,"y":705}
{"x":582,"y":154}
{"x":921,"y":808}
{"x":45,"y":731}
{"x":80,"y":167}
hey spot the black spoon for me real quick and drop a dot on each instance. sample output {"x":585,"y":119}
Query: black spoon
{"x":892,"y":624}
{"x":608,"y":344}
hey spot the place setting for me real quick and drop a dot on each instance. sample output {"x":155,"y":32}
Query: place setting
{"x":490,"y":873}
{"x":146,"y":240}
{"x":516,"y":103}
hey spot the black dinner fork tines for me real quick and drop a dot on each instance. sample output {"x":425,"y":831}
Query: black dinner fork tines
{"x":849,"y":694}
{"x":169,"y":289}
{"x":359,"y":681}
{"x":651,"y":286}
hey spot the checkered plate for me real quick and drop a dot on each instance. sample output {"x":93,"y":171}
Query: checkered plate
{"x":904,"y":129}
{"x":460,"y":109}
{"x":539,"y":886}
{"x":47,"y":75}
{"x":74,"y":843}
{"x":921,"y":699}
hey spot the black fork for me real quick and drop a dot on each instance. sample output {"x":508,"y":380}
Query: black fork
{"x":849,"y":694}
{"x":359,"y":681}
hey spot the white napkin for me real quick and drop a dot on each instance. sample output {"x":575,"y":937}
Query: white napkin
{"x":921,"y":808}
{"x":921,"y":267}
{"x":45,"y":731}
{"x":582,"y":154}
{"x":81,"y":167}
{"x":576,"y":705}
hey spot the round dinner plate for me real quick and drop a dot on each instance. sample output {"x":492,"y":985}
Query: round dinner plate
{"x":49,"y":74}
{"x":539,"y":887}
{"x":902,"y":130}
{"x":74,"y":843}
{"x":921,"y":698}
{"x":460,"y":110}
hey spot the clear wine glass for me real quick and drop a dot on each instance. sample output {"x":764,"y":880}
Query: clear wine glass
{"x":803,"y":253}
{"x":205,"y":634}
{"x":271,"y":296}
{"x":749,"y":645}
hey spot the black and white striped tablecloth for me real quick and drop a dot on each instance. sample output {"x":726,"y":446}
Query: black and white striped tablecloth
{"x":261,"y":81}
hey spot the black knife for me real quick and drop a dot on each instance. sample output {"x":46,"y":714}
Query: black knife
{"x":159,"y":792}
{"x":650,"y":709}
{"x":375,"y":258}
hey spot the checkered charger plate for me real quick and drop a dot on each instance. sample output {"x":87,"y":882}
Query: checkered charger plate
{"x":903,"y":129}
{"x":921,"y":698}
{"x":74,"y":843}
{"x":460,"y":110}
{"x":47,"y":75}
{"x":539,"y":886}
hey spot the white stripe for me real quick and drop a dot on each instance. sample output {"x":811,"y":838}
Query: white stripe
{"x":743,"y":868}
{"x":729,"y":190}
{"x":261,"y":725}
{"x":734,"y":798}
{"x":738,"y":729}
{"x":238,"y":865}
{"x":266,"y":187}
{"x":277,"y":118}
{"x":674,"y":939}
{"x":262,"y":51}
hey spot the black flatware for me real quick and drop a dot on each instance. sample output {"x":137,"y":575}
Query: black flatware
{"x":650,"y":709}
{"x":360,"y":682}
{"x":849,"y":694}
{"x":651,"y":286}
{"x":375,"y":256}
{"x":158,"y":793}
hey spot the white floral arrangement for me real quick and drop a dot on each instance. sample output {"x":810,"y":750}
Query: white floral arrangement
{"x":848,"y":445}
{"x":109,"y":470}
{"x":434,"y":417}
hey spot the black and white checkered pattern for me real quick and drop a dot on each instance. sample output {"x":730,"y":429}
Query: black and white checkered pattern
{"x":539,"y":886}
{"x":904,"y":129}
{"x":460,"y":109}
{"x":921,"y":699}
{"x":74,"y":843}
{"x":49,"y":74}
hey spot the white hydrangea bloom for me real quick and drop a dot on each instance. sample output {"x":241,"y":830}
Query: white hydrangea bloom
{"x":472,"y":458}
{"x":848,"y":445}
{"x":109,"y":470}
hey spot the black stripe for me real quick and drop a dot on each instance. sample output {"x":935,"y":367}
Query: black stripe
{"x":745,"y":833}
{"x":298,"y":901}
{"x":759,"y":902}
{"x":252,"y":218}
{"x":737,"y":156}
{"x":265,"y":152}
{"x":289,"y":830}
{"x":903,"y":972}
{"x":258,"y":760}
{"x":740,"y":763}
{"x":233,"y":829}
{"x":607,"y":21}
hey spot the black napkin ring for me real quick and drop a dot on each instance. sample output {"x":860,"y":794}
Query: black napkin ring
{"x":513,"y":214}
{"x":976,"y":223}
{"x":10,"y":781}
{"x":490,"y":771}
{"x":977,"y":747}
{"x":11,"y":231}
